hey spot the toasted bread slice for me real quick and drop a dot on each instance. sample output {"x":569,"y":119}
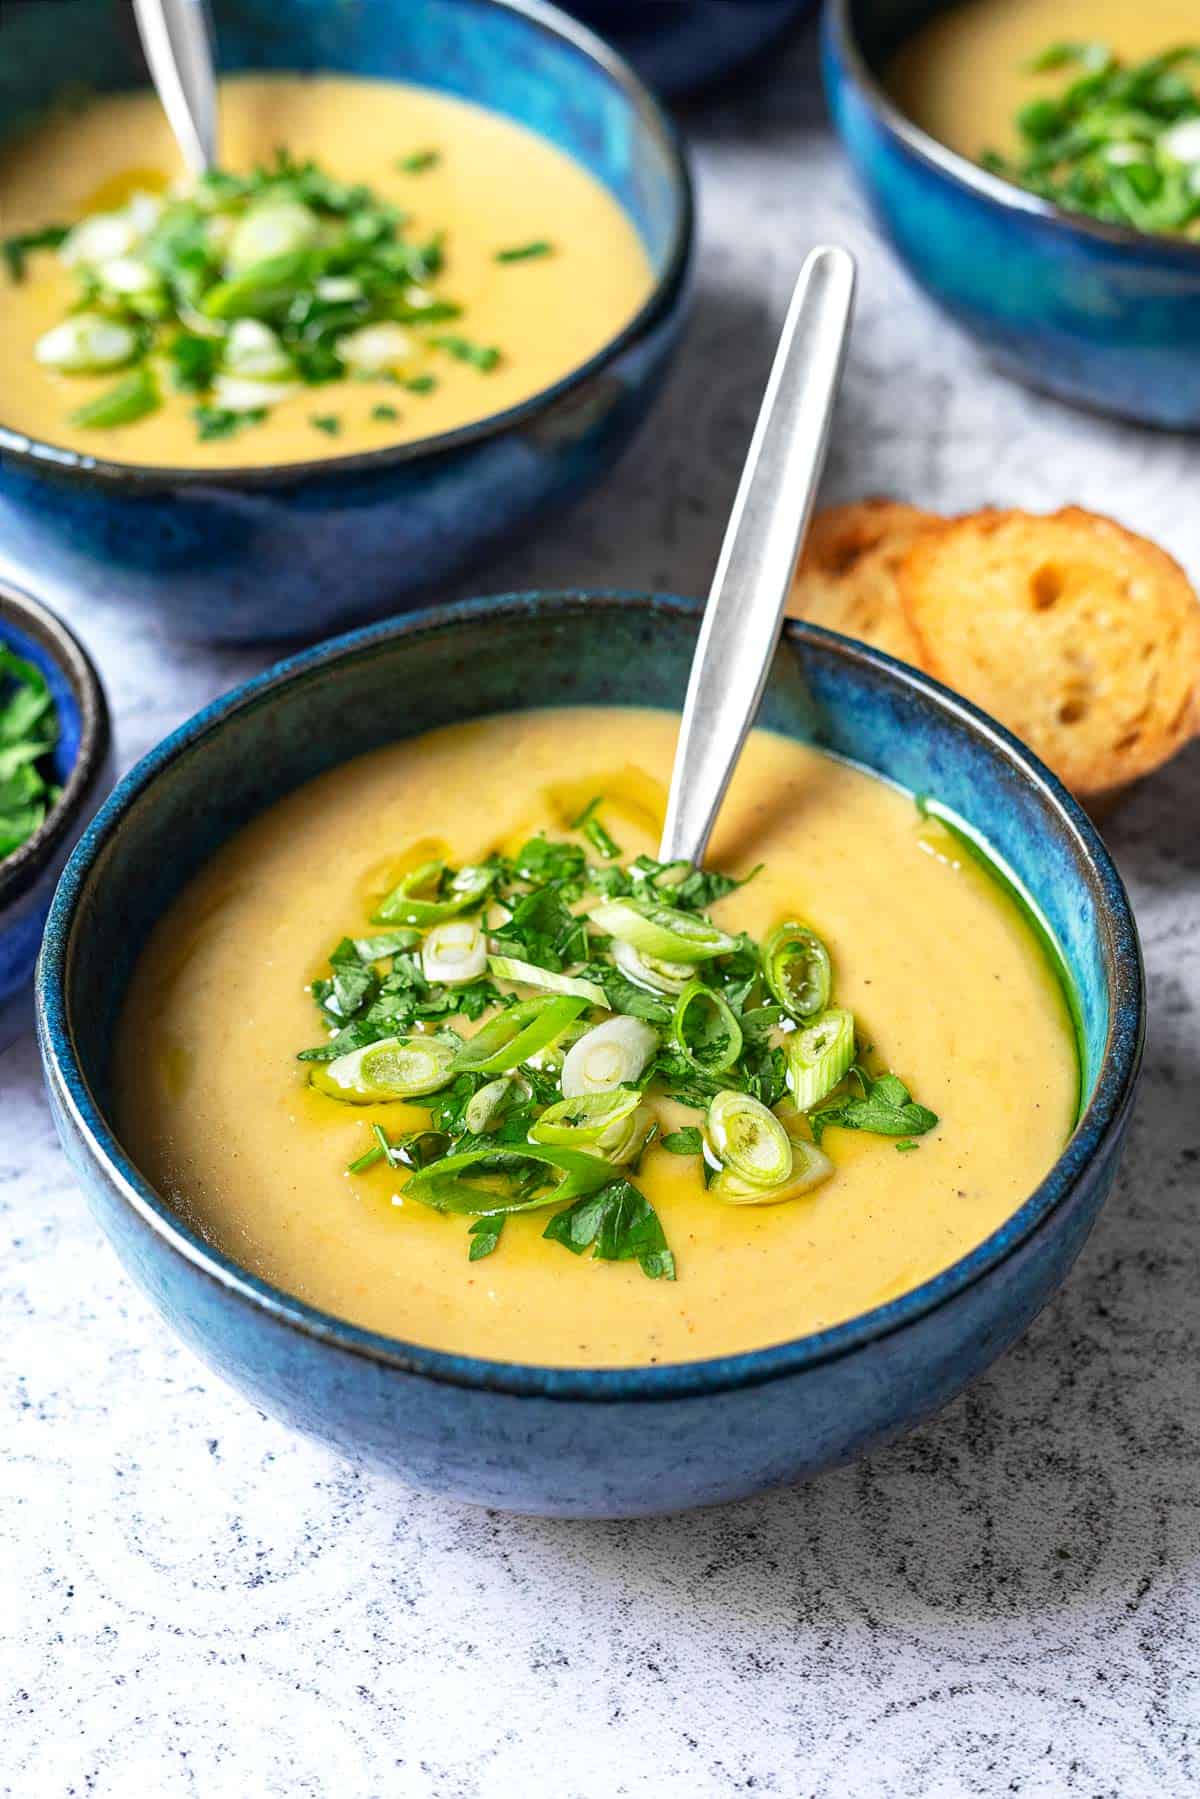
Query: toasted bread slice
{"x":1081,"y":637}
{"x":847,"y":578}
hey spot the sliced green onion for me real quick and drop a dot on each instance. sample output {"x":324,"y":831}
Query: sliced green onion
{"x":488,"y":1106}
{"x":650,"y":972}
{"x":797,"y":969}
{"x":516,"y":1034}
{"x":403,"y":905}
{"x":263,"y":289}
{"x":277,"y":228}
{"x":662,"y":931}
{"x":508,"y":968}
{"x":135,"y":284}
{"x":86,"y":344}
{"x":818,"y":1056}
{"x":748,"y":1139}
{"x":395,"y":1068}
{"x":253,"y":349}
{"x":373,"y":349}
{"x":129,"y":400}
{"x":705,"y":1030}
{"x":590,"y":1121}
{"x":99,"y":239}
{"x":243,"y":393}
{"x":454,"y":953}
{"x":612,"y":1054}
{"x":441,"y":1185}
{"x":810,"y":1166}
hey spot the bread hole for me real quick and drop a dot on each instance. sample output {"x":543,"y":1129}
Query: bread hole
{"x":1073,"y":710}
{"x":844,"y":556}
{"x":1046,"y":587}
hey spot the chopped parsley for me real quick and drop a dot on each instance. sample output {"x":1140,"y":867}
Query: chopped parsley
{"x":1119,"y":141}
{"x":28,"y":734}
{"x":483,"y":357}
{"x":328,"y":422}
{"x":418,"y":162}
{"x":526,"y":252}
{"x":15,"y":249}
{"x":385,"y":414}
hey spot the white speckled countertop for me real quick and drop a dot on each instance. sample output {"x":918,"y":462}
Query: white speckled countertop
{"x":194,"y":1602}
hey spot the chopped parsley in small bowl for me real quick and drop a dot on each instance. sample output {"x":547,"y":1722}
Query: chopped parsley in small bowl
{"x":55,"y":768}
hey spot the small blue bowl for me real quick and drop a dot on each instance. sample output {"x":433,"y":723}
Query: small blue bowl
{"x":1100,"y":315}
{"x":83,"y":768}
{"x":291,"y":552}
{"x":580,"y":1442}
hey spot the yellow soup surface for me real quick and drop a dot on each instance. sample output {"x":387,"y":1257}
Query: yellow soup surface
{"x":940,"y":968}
{"x":964,"y":75}
{"x":493,"y":186}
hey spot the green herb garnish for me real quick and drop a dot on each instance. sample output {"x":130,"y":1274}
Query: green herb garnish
{"x":385,"y":414}
{"x":483,"y":357}
{"x":418,"y":162}
{"x":328,"y":422}
{"x":129,"y":400}
{"x":28,"y":734}
{"x":243,"y":287}
{"x":217,"y":421}
{"x":526,"y":252}
{"x":1120,"y":141}
{"x":537,"y":1005}
{"x":16,"y":248}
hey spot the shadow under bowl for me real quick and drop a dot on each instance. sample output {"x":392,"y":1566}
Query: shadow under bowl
{"x":82,"y":761}
{"x":1100,"y":315}
{"x":690,"y":44}
{"x":293,"y":551}
{"x":580,"y":1442}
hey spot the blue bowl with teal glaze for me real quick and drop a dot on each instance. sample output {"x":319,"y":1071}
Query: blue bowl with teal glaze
{"x":1100,"y":315}
{"x":82,"y":763}
{"x":294,"y":551}
{"x":587,"y":1443}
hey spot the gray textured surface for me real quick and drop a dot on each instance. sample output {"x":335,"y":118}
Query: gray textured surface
{"x":194,"y":1602}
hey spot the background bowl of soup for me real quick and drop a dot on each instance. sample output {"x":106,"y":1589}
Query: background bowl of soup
{"x":1095,"y":313}
{"x":285,"y":531}
{"x":515,"y":1432}
{"x":81,"y":765}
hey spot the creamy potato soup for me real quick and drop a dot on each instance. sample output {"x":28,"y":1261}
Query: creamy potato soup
{"x":374,"y":263}
{"x":762,"y":1108}
{"x":967,"y":73}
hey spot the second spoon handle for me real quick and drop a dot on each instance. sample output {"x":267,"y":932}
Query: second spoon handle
{"x":177,"y":38}
{"x":770,"y":516}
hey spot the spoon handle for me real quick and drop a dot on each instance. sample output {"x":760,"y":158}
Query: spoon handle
{"x":770,"y":516}
{"x":177,"y":38}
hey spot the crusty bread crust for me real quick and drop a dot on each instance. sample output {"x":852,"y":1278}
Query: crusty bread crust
{"x":847,"y":578}
{"x":1080,"y":636}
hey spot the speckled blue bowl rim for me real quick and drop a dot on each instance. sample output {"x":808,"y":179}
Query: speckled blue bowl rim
{"x":1102,"y":1118}
{"x":22,"y":869}
{"x":35,"y":454}
{"x":1172,"y":245}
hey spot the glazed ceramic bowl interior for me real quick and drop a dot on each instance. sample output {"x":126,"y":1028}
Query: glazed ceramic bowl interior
{"x":407,"y":676}
{"x":520,"y":58}
{"x":869,"y":34}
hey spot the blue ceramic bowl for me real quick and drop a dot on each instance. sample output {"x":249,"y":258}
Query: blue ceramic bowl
{"x":83,"y":768}
{"x":1097,"y":314}
{"x":292,"y":552}
{"x":683,"y":45}
{"x":607,"y":1443}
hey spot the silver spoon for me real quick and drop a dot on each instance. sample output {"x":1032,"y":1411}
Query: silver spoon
{"x":766,"y":530}
{"x":177,"y":37}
